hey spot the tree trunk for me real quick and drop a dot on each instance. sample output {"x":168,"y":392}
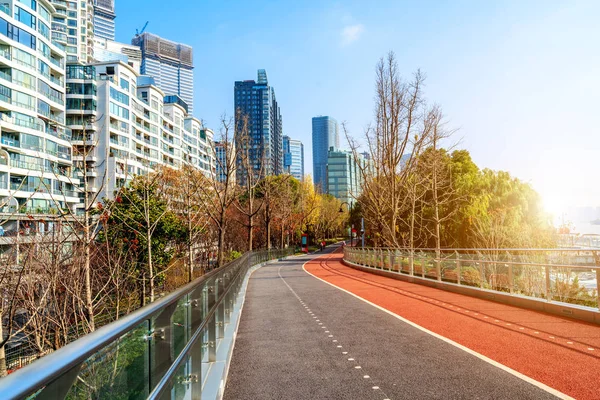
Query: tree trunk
{"x":190,"y":250}
{"x":150,"y":265}
{"x":3,"y":370}
{"x":221,"y":251}
{"x":436,"y":203}
{"x":268,"y":226}
{"x":88,"y":284}
{"x":250,"y":230}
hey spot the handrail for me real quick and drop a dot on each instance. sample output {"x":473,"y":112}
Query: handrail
{"x":61,"y":364}
{"x":161,"y":386}
{"x":518,"y":275}
{"x":447,"y":249}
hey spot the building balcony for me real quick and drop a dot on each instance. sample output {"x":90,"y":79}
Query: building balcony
{"x":59,"y":132}
{"x":89,"y":173}
{"x":92,"y":157}
{"x":90,"y":140}
{"x":59,"y":3}
{"x":13,"y":124}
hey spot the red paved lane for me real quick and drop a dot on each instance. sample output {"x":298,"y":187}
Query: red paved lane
{"x":561,"y":353}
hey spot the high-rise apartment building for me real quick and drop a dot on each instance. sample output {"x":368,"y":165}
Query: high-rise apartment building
{"x":293,"y":157}
{"x":73,"y":29}
{"x":170,"y":64}
{"x":123,"y":125}
{"x":325,"y":134}
{"x":104,"y":19}
{"x":36,"y":160}
{"x":344,"y":178}
{"x":256,"y":102}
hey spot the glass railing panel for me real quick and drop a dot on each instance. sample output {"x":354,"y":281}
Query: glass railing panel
{"x":180,"y":325}
{"x":117,"y":371}
{"x":574,"y":285}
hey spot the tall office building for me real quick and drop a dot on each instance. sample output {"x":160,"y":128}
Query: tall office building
{"x":104,"y":19}
{"x":256,"y":101}
{"x":170,"y":64}
{"x":344,"y":178}
{"x":293,"y":157}
{"x":36,"y":164}
{"x":325,"y":134}
{"x":73,"y":29}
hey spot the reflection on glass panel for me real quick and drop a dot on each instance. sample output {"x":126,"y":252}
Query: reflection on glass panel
{"x":118,"y":371}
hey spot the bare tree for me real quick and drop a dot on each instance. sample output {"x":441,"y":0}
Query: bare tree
{"x":250,"y":177}
{"x":402,"y":128}
{"x":183,"y":186}
{"x":145,"y":219}
{"x":439,"y":174}
{"x":220,"y":193}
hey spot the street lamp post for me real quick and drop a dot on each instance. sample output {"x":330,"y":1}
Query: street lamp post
{"x":349,"y":215}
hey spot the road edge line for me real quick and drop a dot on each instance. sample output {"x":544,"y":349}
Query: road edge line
{"x":450,"y":341}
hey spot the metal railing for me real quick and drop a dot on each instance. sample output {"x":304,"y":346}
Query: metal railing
{"x":579,"y":241}
{"x":167,"y":349}
{"x":562,"y":275}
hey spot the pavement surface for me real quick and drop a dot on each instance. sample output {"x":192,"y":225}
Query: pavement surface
{"x":561,"y":353}
{"x":301,"y":338}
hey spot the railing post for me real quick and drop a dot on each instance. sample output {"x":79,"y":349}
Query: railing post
{"x":212,"y":338}
{"x":196,"y":369}
{"x":481,"y":273}
{"x":423,"y":262}
{"x":162,"y":339}
{"x":511,"y":283}
{"x":458,"y":272}
{"x":598,"y":287}
{"x":547,"y":286}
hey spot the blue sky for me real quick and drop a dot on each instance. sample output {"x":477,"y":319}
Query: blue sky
{"x":520,"y":80}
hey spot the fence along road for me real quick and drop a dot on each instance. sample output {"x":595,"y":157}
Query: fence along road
{"x":301,"y":338}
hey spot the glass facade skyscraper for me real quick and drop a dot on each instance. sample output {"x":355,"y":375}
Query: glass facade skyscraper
{"x":344,"y":178}
{"x":256,"y":101}
{"x":170,"y":64}
{"x":325,"y":134}
{"x":293,"y":157}
{"x":104,"y":19}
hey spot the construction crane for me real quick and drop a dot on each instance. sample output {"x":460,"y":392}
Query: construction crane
{"x":138,"y":33}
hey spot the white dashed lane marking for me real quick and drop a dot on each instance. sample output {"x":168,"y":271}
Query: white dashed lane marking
{"x":318,"y":321}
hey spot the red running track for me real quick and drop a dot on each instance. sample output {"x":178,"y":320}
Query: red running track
{"x":561,"y":353}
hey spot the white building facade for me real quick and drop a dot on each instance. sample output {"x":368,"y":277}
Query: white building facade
{"x":36,"y":160}
{"x":73,"y":28}
{"x":131,"y":128}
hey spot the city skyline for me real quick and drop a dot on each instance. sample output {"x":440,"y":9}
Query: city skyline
{"x":495,"y":87}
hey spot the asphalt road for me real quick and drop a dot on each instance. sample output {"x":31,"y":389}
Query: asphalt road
{"x":300,"y":338}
